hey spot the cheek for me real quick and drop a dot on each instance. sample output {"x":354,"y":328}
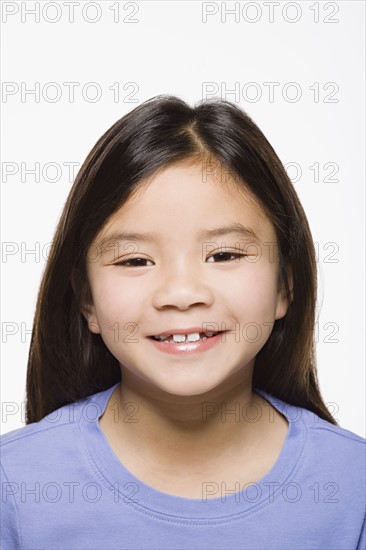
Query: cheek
{"x":253,"y":297}
{"x":116,"y":302}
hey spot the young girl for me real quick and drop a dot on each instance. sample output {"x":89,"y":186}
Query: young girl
{"x":172,"y":393}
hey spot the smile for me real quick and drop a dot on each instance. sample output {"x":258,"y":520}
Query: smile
{"x":179,"y":338}
{"x":181,"y":344}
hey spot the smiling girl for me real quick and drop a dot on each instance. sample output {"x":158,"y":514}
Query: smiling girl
{"x":172,"y":393}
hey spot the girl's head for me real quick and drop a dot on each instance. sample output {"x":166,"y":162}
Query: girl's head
{"x":164,"y":262}
{"x":177,"y":174}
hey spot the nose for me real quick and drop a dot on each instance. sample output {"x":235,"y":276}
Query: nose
{"x":181,"y":287}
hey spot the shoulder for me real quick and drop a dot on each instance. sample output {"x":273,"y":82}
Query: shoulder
{"x":337,"y":446}
{"x":31,"y":455}
{"x":49,"y":455}
{"x":40,"y":442}
{"x":334,"y":454}
{"x":57,"y":435}
{"x":333,"y":436}
{"x":326,"y":448}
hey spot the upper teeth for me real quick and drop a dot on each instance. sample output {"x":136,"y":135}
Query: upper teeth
{"x":192,"y":337}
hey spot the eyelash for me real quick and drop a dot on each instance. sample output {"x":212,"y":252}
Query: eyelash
{"x":124,"y":262}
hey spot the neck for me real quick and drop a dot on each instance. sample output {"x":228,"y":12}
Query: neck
{"x":174,"y":429}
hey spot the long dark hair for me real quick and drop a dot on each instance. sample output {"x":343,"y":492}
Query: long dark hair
{"x":66,"y":361}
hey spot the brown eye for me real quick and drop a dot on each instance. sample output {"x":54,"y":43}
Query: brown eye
{"x":129,"y":263}
{"x":226,"y":256}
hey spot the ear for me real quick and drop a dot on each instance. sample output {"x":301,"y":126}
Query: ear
{"x":84,"y":300}
{"x":283,"y":301}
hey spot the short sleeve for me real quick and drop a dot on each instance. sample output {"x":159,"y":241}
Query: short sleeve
{"x":362,"y":540}
{"x":9,"y":521}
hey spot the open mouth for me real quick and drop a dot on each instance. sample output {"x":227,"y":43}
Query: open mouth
{"x":181,"y":338}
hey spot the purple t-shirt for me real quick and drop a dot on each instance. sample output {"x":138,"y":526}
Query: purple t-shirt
{"x":64,"y":488}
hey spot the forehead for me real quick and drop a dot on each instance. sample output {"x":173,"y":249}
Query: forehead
{"x":191,"y":195}
{"x":205,"y":174}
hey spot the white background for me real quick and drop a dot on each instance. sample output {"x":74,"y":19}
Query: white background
{"x":171,"y":50}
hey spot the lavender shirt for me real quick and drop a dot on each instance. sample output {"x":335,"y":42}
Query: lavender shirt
{"x":64,"y":488}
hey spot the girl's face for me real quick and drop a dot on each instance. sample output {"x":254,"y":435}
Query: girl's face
{"x":185,"y":278}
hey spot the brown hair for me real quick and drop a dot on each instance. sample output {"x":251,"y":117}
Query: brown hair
{"x":66,"y":361}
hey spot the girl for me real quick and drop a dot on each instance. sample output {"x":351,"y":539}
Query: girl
{"x":172,"y":393}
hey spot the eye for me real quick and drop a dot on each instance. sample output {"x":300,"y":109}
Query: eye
{"x":225,"y":254}
{"x":127,"y":263}
{"x":221,"y":255}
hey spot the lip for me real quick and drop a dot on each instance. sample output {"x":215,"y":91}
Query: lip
{"x":185,"y":348}
{"x":188,"y":330}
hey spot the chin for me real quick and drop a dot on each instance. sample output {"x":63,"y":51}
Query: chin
{"x":188,"y":388}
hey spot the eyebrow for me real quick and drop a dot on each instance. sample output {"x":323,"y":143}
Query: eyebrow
{"x":237,"y":228}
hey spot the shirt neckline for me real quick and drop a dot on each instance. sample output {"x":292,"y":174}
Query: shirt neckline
{"x":126,"y":488}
